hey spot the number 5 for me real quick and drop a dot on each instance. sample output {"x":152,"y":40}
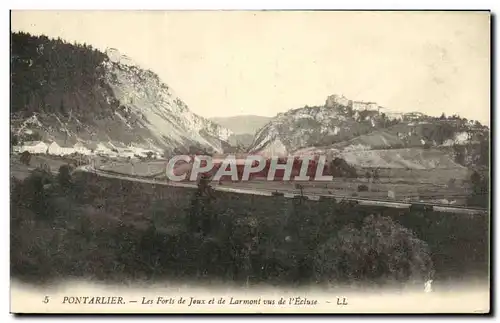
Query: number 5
{"x":46,"y":300}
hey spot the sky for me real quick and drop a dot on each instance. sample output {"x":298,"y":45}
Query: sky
{"x":227,"y":63}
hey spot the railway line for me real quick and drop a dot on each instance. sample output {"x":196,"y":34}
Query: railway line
{"x":290,"y":194}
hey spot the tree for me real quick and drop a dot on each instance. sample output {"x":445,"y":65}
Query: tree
{"x":459,"y":154}
{"x":484,"y":152}
{"x":25,"y":157}
{"x":34,"y":195}
{"x":61,"y":108}
{"x":380,"y":251}
{"x":64,"y":176}
{"x":442,"y":117}
{"x":475,"y":178}
{"x":480,"y":190}
{"x":14,"y":139}
{"x":149,"y":155}
{"x":202,"y":217}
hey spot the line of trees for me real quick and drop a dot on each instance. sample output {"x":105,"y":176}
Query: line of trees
{"x":480,"y":194}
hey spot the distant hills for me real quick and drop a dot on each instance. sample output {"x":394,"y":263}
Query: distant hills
{"x":243,"y":127}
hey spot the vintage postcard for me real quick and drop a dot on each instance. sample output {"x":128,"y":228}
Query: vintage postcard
{"x":250,"y":162}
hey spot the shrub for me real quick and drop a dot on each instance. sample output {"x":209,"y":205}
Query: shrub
{"x":35,"y":136}
{"x":25,"y":158}
{"x":340,"y":168}
{"x":362,"y":188}
{"x":30,"y":193}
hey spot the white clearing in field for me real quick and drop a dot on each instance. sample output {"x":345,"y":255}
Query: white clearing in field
{"x":460,"y":138}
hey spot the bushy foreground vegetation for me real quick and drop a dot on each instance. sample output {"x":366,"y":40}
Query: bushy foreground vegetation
{"x":81,"y":225}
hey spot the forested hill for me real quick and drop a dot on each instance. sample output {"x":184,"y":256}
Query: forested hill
{"x":50,"y":75}
{"x":80,"y":94}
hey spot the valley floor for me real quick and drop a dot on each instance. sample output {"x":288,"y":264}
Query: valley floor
{"x":429,"y":185}
{"x":407,"y":185}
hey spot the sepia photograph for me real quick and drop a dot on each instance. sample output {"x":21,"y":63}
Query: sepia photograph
{"x":250,"y":161}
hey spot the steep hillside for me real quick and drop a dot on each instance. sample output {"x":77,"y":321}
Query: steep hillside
{"x":436,"y":133}
{"x":378,"y":139}
{"x":314,"y":126}
{"x":405,"y":158}
{"x":75,"y":94}
{"x":243,"y":139}
{"x":360,"y":135}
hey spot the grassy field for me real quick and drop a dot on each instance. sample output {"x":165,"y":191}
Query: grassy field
{"x":21,"y":171}
{"x":137,"y":168}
